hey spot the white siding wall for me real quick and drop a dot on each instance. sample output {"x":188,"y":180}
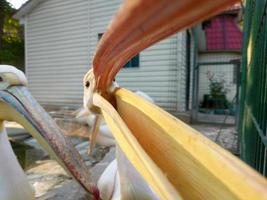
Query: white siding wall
{"x":220,"y":72}
{"x":57,"y":36}
{"x":61,"y":38}
{"x":162,"y":67}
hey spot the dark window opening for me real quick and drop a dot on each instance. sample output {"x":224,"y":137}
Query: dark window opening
{"x":235,"y":74}
{"x":188,"y":69}
{"x":236,"y":70}
{"x":134,"y":62}
{"x":206,"y":24}
{"x":99,"y":36}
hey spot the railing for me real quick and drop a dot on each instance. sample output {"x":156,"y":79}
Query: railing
{"x":253,"y":112}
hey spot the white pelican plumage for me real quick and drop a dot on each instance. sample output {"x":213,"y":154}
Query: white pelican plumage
{"x":16,"y":104}
{"x":103,"y":135}
{"x":12,"y":177}
{"x":120,"y":180}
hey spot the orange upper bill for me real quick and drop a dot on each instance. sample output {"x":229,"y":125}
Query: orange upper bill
{"x":141,"y":23}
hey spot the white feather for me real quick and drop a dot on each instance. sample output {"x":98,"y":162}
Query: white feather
{"x":13,"y":181}
{"x":145,"y":96}
{"x":11,"y":76}
{"x":108,"y":181}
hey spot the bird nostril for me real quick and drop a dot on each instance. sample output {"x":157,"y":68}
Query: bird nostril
{"x":87,"y":84}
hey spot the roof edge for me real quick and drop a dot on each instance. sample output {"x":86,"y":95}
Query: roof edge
{"x":26,"y":8}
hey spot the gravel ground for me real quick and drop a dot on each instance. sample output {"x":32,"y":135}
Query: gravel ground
{"x":225,"y":136}
{"x":50,"y":181}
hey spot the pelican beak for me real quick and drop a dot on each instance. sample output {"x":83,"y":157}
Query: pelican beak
{"x":17,"y":104}
{"x":82,"y":112}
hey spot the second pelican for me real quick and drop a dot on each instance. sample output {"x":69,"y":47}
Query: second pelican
{"x":17,"y":104}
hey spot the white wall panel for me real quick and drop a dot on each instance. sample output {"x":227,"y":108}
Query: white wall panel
{"x":57,"y":42}
{"x":61,"y":38}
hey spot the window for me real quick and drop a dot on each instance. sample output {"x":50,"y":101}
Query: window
{"x":134,"y":62}
{"x":99,"y":36}
{"x":206,"y":24}
{"x":236,"y":70}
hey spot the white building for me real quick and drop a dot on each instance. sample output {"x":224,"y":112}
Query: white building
{"x":61,"y":38}
{"x":220,"y":44}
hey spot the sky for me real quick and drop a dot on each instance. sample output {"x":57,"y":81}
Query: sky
{"x":16,"y":3}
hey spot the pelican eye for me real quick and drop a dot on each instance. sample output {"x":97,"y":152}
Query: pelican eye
{"x":87,"y":84}
{"x":1,"y":79}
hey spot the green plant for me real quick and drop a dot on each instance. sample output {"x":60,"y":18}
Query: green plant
{"x":11,"y":37}
{"x":217,"y":86}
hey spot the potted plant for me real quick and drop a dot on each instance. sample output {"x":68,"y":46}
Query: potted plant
{"x":216,"y":99}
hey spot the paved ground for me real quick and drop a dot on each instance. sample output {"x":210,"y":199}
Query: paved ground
{"x":225,"y":136}
{"x":51,"y":182}
{"x":207,"y":118}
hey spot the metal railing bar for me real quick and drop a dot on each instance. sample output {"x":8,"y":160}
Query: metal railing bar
{"x":260,"y":132}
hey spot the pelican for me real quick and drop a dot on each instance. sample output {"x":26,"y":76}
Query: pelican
{"x":104,"y":135}
{"x":89,"y":108}
{"x":120,"y":180}
{"x":17,"y":104}
{"x":120,"y":171}
{"x":174,"y":160}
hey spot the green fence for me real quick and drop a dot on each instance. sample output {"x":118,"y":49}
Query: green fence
{"x":253,"y":110}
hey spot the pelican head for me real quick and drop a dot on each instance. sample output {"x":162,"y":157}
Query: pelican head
{"x":90,"y":87}
{"x":17,"y":104}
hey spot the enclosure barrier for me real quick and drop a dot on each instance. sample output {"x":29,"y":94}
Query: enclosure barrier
{"x":253,"y":112}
